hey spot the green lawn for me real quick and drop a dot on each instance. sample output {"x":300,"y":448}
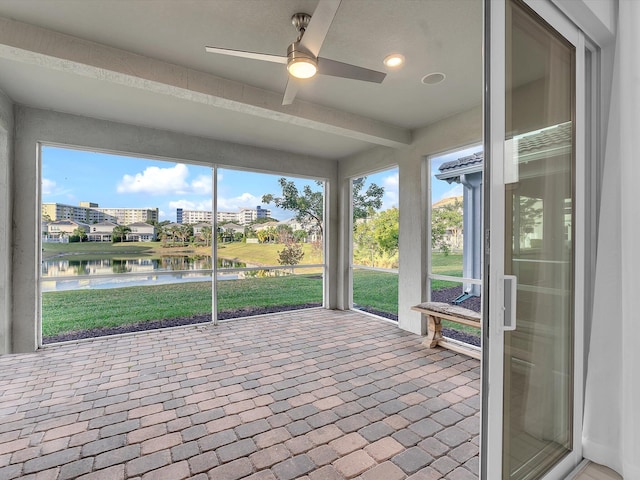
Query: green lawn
{"x":264,"y":253}
{"x":85,"y":309}
{"x":89,"y":250}
{"x":376,"y":290}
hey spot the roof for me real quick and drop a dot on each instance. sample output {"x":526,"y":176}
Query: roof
{"x":557,"y":139}
{"x":140,"y":224}
{"x":550,"y":138}
{"x":469,"y":160}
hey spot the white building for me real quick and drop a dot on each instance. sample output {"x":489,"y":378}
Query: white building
{"x":101,"y":231}
{"x":64,"y":228}
{"x":90,"y":213}
{"x":127,"y":216}
{"x":244,"y":217}
{"x":193,"y":216}
{"x":248,"y":215}
{"x":141,"y":232}
{"x":78,"y":213}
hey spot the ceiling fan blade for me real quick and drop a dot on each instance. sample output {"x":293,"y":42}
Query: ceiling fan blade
{"x":319,"y":25}
{"x":244,"y":54}
{"x":346,"y":70}
{"x":291,"y":91}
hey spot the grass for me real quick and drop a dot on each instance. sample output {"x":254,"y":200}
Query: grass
{"x":264,"y":254}
{"x":377,"y":290}
{"x":90,"y":250}
{"x":252,"y":253}
{"x":85,"y":309}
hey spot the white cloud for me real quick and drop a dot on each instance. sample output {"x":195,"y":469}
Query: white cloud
{"x":246,"y":200}
{"x":390,"y":198}
{"x":391,"y":181}
{"x":191,"y":205}
{"x":202,"y":185}
{"x":48,"y":186}
{"x":165,"y":181}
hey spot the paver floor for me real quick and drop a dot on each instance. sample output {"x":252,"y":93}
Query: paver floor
{"x":314,"y":395}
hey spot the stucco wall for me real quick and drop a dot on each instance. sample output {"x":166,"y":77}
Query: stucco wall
{"x":33,"y":126}
{"x":453,"y":132}
{"x":6,"y":156}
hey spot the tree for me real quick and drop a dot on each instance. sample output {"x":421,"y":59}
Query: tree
{"x":529,"y":216}
{"x":207,"y":234}
{"x":386,"y":230}
{"x":185,"y":232}
{"x":309,"y":205}
{"x":119,"y":231}
{"x":174,"y":232}
{"x":80,"y":233}
{"x":365,"y":245}
{"x":444,"y":220}
{"x":376,"y":240}
{"x":364,"y":204}
{"x":284,"y":233}
{"x":291,"y":254}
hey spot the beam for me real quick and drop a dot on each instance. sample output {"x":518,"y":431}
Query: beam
{"x":33,"y":45}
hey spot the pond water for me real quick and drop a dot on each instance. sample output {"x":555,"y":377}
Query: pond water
{"x":68,"y":267}
{"x":142,"y":271}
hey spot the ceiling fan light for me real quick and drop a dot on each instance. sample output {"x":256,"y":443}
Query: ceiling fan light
{"x":302,"y":67}
{"x":394,"y":60}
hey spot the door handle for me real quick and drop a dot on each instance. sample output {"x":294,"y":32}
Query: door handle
{"x":510,"y":298}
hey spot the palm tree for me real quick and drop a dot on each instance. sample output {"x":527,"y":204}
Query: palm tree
{"x":185,"y":232}
{"x":206,"y":233}
{"x":120,"y":231}
{"x":175,"y":232}
{"x":79,"y":232}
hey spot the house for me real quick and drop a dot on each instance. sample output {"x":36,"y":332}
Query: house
{"x":64,"y":228}
{"x":141,"y":232}
{"x":101,"y":231}
{"x":560,"y":360}
{"x":197,"y":228}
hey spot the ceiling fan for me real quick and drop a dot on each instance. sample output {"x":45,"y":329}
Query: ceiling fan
{"x":302,"y":59}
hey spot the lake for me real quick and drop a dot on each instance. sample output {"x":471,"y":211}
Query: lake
{"x":66,"y":267}
{"x":103,"y":272}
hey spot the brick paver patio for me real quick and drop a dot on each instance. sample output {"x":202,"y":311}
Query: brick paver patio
{"x":311,"y":395}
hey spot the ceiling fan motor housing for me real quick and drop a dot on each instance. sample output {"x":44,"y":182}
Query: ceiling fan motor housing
{"x":300,"y":62}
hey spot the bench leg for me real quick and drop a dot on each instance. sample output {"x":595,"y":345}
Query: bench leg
{"x":434,"y":331}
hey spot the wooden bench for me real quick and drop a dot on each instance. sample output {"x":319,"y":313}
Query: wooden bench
{"x":436,"y":312}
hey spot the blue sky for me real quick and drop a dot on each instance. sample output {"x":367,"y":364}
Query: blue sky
{"x":71,"y":176}
{"x":441,"y":189}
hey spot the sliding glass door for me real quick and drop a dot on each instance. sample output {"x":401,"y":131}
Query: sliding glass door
{"x":532,"y":264}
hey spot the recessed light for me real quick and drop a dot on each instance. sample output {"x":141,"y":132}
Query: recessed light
{"x":433,"y":78}
{"x":394,"y":60}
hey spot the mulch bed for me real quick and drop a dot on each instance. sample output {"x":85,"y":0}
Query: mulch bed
{"x":446,"y":295}
{"x":171,"y":322}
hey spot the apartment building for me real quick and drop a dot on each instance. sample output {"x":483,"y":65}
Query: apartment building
{"x":88,"y":212}
{"x":81,"y":213}
{"x":244,"y":217}
{"x":193,"y":216}
{"x":127,"y":216}
{"x":248,"y":215}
